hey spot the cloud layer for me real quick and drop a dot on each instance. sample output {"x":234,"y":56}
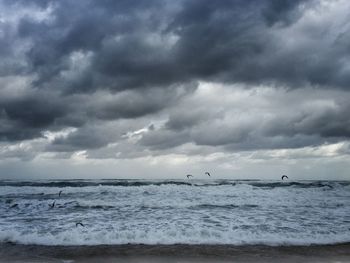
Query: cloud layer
{"x":131,"y":79}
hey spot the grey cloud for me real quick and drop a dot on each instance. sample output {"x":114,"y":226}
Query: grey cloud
{"x":258,"y":142}
{"x":283,"y":12}
{"x":138,"y":44}
{"x":163,"y":139}
{"x":322,"y":120}
{"x":77,"y":142}
{"x":25,"y":117}
{"x":96,"y":135}
{"x":214,"y":132}
{"x":94,"y":62}
{"x":224,"y":43}
{"x":304,"y":121}
{"x":221,"y":134}
{"x":240,"y":137}
{"x":95,"y":31}
{"x":87,"y":137}
{"x":182,"y":119}
{"x":127,"y":106}
{"x":133,"y":104}
{"x":23,"y":151}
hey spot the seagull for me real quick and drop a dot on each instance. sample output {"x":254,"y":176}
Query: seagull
{"x":207,"y":173}
{"x":79,"y":223}
{"x":53,"y":204}
{"x":59,"y":194}
{"x":284,"y":176}
{"x":189,"y":175}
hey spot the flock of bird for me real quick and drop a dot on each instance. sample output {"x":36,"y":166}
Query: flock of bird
{"x":207,"y":173}
{"x":81,"y":224}
{"x":190,"y":175}
{"x":53,"y":205}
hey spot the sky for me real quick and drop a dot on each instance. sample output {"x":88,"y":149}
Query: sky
{"x":245,"y":89}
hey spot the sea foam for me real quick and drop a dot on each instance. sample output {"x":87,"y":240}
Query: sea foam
{"x":174,"y":212}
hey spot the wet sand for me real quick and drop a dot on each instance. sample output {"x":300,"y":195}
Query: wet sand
{"x":173,"y":253}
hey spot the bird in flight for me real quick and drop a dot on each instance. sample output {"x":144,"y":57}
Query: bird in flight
{"x":284,"y":176}
{"x":53,"y":204}
{"x":189,"y":175}
{"x":79,"y":223}
{"x":13,"y":206}
{"x":207,"y":173}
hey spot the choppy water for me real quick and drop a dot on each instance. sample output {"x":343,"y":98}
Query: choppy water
{"x":169,"y":212}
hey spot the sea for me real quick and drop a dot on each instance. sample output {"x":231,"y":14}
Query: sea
{"x":223,"y":212}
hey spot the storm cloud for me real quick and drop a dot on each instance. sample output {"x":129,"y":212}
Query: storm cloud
{"x":130,"y":79}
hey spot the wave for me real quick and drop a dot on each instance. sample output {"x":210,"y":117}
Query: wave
{"x":232,"y":212}
{"x":315,"y":184}
{"x":85,"y":183}
{"x":225,"y":206}
{"x":193,"y":183}
{"x":83,"y":236}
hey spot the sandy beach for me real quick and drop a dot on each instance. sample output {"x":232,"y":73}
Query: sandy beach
{"x":174,"y":253}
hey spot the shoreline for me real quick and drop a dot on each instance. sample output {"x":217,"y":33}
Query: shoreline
{"x":174,"y":253}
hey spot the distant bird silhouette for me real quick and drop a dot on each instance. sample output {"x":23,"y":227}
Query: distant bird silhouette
{"x":53,"y":204}
{"x":59,"y":194}
{"x":189,"y":175}
{"x":207,"y":173}
{"x":79,"y":223}
{"x":284,"y":176}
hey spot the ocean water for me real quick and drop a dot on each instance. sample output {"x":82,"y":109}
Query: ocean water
{"x":175,"y":211}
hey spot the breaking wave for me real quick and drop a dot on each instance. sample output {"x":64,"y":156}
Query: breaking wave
{"x":174,"y":211}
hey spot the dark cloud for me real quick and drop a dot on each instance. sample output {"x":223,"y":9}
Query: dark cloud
{"x":140,"y":44}
{"x":84,"y":138}
{"x":137,"y":44}
{"x":301,"y":122}
{"x":240,"y":137}
{"x":115,"y":62}
{"x":164,"y":139}
{"x":133,"y":104}
{"x":28,"y":115}
{"x":127,"y":106}
{"x":183,"y":119}
{"x":90,"y":63}
{"x":98,"y":134}
{"x":25,"y":117}
{"x":283,"y":12}
{"x":323,"y":120}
